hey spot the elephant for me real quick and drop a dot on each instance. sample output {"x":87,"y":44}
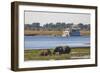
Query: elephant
{"x":62,"y":50}
{"x":58,"y":50}
{"x":45,"y":53}
{"x":66,"y":50}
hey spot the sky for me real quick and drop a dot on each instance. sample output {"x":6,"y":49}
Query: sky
{"x":54,"y":17}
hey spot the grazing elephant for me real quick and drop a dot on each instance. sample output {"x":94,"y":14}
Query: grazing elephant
{"x":62,"y":50}
{"x":45,"y":53}
{"x":66,"y":50}
{"x":58,"y":50}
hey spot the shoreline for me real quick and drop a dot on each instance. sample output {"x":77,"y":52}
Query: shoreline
{"x":53,"y":48}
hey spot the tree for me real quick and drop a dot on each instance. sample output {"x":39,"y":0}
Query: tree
{"x":69,"y":25}
{"x":81,"y":26}
{"x":35,"y":25}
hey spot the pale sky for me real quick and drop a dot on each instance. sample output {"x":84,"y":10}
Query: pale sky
{"x":53,"y":17}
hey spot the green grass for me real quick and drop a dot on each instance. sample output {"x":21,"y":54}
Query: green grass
{"x":75,"y":52}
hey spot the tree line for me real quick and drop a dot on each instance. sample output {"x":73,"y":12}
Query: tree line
{"x":56,"y":27}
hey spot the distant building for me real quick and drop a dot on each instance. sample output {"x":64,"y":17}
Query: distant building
{"x":75,"y":31}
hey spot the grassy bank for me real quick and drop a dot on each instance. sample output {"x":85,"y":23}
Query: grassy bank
{"x":53,"y":33}
{"x":85,"y":33}
{"x":41,"y":32}
{"x":76,"y":53}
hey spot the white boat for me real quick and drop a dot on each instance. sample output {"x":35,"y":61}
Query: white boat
{"x":66,"y":33}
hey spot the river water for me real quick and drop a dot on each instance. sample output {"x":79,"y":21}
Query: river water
{"x":47,"y":42}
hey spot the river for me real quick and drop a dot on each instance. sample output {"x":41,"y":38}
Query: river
{"x":47,"y":42}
